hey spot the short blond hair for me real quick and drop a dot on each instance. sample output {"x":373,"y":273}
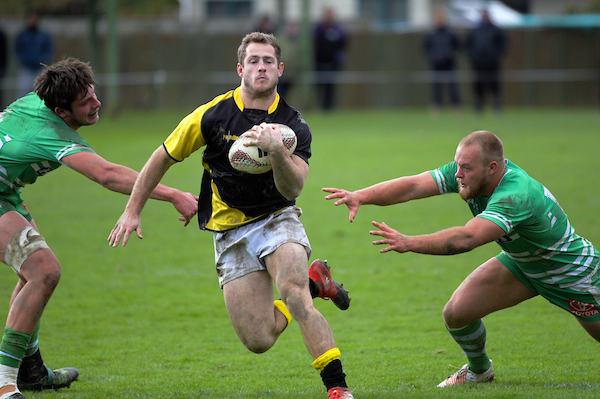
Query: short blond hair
{"x":490,"y":144}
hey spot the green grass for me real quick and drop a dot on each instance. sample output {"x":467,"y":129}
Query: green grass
{"x":148,"y":320}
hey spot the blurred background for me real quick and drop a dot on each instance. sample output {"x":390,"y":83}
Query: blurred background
{"x":178,"y":54}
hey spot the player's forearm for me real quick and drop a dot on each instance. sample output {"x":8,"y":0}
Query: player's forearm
{"x":289,"y":177}
{"x":385,"y":193}
{"x":452,"y":241}
{"x":147,"y":183}
{"x":396,"y":191}
{"x":123,"y":179}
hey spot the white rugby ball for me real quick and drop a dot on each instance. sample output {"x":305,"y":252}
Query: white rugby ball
{"x":253,"y":160}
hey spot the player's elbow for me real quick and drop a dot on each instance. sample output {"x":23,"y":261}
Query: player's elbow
{"x":292,"y":193}
{"x":108,"y":176}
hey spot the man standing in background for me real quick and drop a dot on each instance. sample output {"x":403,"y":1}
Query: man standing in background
{"x":486,"y":45}
{"x":441,"y":48}
{"x":33,"y":48}
{"x":330,"y":44}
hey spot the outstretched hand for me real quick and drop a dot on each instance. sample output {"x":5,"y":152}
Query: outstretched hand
{"x":187,"y":205}
{"x":396,"y":241}
{"x":345,"y":197}
{"x":124,"y":227}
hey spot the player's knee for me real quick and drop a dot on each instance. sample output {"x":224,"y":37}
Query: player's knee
{"x":452,"y":316}
{"x":50,"y":275}
{"x":298,"y":303}
{"x":258,"y":344}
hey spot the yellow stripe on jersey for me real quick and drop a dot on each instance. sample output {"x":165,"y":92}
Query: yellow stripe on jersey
{"x":224,"y":217}
{"x":237,"y":96}
{"x":187,"y":136}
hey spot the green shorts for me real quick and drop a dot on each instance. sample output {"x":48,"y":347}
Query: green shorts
{"x":12,"y":202}
{"x":582,"y":300}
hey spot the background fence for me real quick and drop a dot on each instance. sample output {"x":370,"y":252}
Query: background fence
{"x":170,"y":65}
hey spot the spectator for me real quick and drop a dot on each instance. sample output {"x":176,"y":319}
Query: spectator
{"x":485,"y":46}
{"x":330,"y":45}
{"x":441,"y":48}
{"x":3,"y":65}
{"x":289,"y":40}
{"x":266,"y":25}
{"x":33,"y":48}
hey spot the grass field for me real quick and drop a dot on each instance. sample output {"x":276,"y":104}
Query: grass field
{"x":148,"y":320}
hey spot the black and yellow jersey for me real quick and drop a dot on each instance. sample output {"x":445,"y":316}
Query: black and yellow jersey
{"x":229,"y":198}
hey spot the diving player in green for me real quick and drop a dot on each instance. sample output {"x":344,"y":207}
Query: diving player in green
{"x":541,"y":253}
{"x":37,"y":135}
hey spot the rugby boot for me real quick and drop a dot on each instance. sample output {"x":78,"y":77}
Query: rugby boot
{"x":326,"y":287}
{"x":465,"y":376}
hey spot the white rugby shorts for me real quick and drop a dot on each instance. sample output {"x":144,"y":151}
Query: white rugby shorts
{"x":241,"y":251}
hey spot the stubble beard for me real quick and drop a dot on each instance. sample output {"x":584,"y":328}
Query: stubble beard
{"x":473,"y":190}
{"x":265,"y":92}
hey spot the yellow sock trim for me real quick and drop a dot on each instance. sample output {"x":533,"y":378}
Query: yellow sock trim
{"x":322,"y":361}
{"x":279,"y":305}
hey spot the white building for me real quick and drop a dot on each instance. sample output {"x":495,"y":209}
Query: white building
{"x":408,"y":14}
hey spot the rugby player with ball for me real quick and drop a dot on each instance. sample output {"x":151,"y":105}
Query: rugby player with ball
{"x":258,"y":236}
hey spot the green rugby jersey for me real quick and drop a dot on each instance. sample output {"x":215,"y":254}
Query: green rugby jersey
{"x":538,"y":236}
{"x":33,"y":140}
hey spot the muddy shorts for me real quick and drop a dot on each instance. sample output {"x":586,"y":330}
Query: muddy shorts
{"x":12,"y":202}
{"x":582,"y":298}
{"x":241,"y":251}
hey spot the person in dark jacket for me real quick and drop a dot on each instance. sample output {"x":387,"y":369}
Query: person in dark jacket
{"x":329,"y":45}
{"x":441,"y":48}
{"x":485,"y":46}
{"x":3,"y":65}
{"x":33,"y":48}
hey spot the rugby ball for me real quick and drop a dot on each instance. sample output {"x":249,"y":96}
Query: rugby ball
{"x":253,"y":160}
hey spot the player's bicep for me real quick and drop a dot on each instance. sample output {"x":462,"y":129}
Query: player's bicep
{"x":483,"y":230}
{"x":424,"y":186}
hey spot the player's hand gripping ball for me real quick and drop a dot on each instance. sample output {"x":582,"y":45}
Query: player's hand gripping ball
{"x":253,"y":160}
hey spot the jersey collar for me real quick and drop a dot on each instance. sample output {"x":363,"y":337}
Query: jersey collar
{"x":237,"y":96}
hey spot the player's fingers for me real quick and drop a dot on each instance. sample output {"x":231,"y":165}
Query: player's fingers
{"x":185,"y":219}
{"x":125,"y":239}
{"x":114,"y":239}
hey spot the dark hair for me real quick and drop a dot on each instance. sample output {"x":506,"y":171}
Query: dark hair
{"x":258,"y":37}
{"x":61,"y":83}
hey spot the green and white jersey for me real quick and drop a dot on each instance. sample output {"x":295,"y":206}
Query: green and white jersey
{"x":539,"y":237}
{"x":33,"y":140}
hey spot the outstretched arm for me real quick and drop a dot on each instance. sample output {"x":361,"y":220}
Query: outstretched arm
{"x":148,"y":179}
{"x":478,"y":231}
{"x":389,"y":192}
{"x":121,"y":179}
